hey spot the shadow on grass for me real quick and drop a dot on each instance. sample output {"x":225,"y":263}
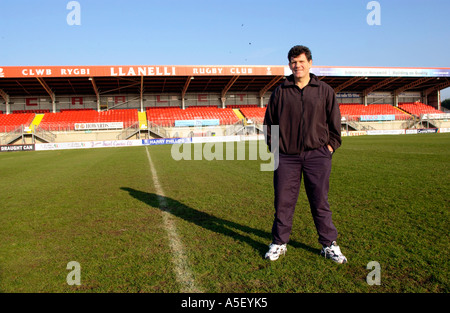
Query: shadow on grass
{"x":210,"y":222}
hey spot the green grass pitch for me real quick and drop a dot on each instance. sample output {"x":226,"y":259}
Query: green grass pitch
{"x":99,"y":207}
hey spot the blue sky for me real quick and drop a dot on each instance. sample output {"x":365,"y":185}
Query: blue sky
{"x":412,"y":33}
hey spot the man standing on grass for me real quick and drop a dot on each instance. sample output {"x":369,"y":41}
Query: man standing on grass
{"x":307,"y":113}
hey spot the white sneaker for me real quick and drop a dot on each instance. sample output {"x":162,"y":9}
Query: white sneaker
{"x":333,"y":252}
{"x":275,"y":251}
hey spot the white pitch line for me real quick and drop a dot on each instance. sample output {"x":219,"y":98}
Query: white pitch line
{"x":182,"y":270}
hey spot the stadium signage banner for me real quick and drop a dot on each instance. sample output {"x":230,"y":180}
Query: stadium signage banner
{"x":190,"y":123}
{"x":216,"y":139}
{"x":365,"y":118}
{"x":379,"y":71}
{"x":98,"y":126}
{"x":172,"y":141}
{"x":422,"y":131}
{"x":355,"y":133}
{"x":348,"y":95}
{"x":15,"y":148}
{"x":386,"y":132}
{"x":211,"y":70}
{"x":165,"y":141}
{"x":87,"y":145}
{"x":427,"y":131}
{"x":142,"y":70}
{"x":434,"y":116}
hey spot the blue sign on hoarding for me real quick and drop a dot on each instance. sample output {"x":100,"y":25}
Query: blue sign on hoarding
{"x":165,"y":141}
{"x":427,"y":131}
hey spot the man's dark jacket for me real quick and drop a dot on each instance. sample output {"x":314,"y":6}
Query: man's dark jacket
{"x":308,"y":118}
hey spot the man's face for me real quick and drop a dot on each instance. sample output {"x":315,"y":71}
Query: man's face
{"x":300,"y":66}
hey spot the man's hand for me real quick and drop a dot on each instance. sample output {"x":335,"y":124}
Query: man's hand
{"x":330,"y":148}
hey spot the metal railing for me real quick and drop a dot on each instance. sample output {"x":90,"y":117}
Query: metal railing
{"x":357,"y":123}
{"x":44,"y":134}
{"x":235,"y":128}
{"x":12,"y":135}
{"x":129,"y":131}
{"x":22,"y":131}
{"x":157,"y":129}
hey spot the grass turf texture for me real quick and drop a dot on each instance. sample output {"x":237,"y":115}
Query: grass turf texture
{"x":389,"y":196}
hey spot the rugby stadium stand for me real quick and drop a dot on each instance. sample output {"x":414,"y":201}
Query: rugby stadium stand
{"x":67,"y":119}
{"x":418,"y":108}
{"x":166,"y":116}
{"x":147,"y":99}
{"x":355,"y":111}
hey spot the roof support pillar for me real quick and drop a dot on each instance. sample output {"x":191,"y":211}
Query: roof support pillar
{"x":437,"y":88}
{"x":382,"y":83}
{"x":263,"y":91}
{"x":396,"y":93}
{"x":409,"y":86}
{"x":49,"y":91}
{"x":183,"y":92}
{"x":424,"y":97}
{"x":142,"y":93}
{"x":261,"y":102}
{"x":96,"y":92}
{"x":223,"y":94}
{"x":439,"y":100}
{"x":5,"y":96}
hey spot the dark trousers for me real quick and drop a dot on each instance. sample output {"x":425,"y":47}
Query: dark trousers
{"x":315,"y":167}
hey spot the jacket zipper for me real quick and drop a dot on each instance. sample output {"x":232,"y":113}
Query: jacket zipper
{"x":302,"y":133}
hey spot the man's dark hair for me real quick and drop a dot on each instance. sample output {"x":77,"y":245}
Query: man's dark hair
{"x":298,"y":50}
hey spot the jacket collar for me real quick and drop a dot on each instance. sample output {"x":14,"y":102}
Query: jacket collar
{"x":314,"y":81}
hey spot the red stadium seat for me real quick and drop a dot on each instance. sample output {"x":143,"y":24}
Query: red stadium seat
{"x":353,"y":111}
{"x":418,"y":108}
{"x":66,"y":119}
{"x":254,"y":113}
{"x":9,"y":122}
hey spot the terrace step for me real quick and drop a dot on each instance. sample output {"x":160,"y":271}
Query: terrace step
{"x":239,"y":114}
{"x":35,"y":123}
{"x":142,"y":116}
